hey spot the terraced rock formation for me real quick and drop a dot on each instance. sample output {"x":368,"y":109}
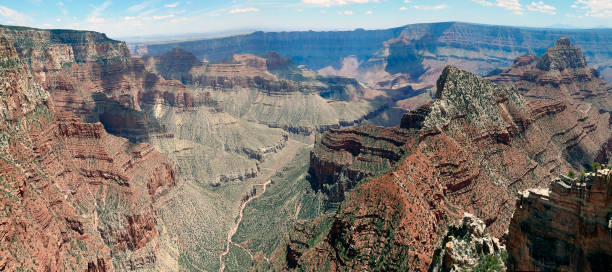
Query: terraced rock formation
{"x":394,"y":57}
{"x":73,"y":197}
{"x":272,"y":91}
{"x":475,"y":146}
{"x":565,"y":227}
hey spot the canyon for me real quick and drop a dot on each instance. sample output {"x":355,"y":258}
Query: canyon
{"x":235,"y":154}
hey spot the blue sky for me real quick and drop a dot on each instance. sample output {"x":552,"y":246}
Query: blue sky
{"x":123,"y":18}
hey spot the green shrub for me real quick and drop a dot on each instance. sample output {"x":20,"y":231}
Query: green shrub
{"x":488,"y":263}
{"x":596,"y":166}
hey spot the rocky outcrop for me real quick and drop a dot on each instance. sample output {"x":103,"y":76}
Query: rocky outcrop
{"x":565,"y":227}
{"x":467,"y":246}
{"x":470,"y":151}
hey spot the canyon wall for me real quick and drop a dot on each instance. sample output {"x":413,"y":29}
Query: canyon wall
{"x":73,"y":196}
{"x":396,"y":56}
{"x":565,"y":227}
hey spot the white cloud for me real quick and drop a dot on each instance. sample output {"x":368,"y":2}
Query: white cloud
{"x":437,"y":7}
{"x":129,"y":18}
{"x":162,"y":17}
{"x":139,"y":7}
{"x":94,"y":16}
{"x":511,"y":5}
{"x":346,"y":12}
{"x":368,"y":12}
{"x":541,"y":7}
{"x":243,"y":10}
{"x":403,"y":8}
{"x":173,"y":5}
{"x":595,"y":8}
{"x":483,"y":2}
{"x":179,"y":20}
{"x":13,"y":17}
{"x":329,"y":3}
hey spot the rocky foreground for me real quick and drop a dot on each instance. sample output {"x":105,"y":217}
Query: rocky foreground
{"x":565,"y":227}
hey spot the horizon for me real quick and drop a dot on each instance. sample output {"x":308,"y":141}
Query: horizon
{"x":151,"y":18}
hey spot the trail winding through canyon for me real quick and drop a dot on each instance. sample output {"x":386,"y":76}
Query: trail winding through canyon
{"x":231,"y":233}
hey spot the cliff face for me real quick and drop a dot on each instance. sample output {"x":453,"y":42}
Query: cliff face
{"x":73,"y":197}
{"x":394,"y":57}
{"x":565,"y":227}
{"x":471,"y":149}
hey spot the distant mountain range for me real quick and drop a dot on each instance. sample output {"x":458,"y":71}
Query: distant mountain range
{"x":394,"y":57}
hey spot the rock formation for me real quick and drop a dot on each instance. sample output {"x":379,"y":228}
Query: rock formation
{"x":467,"y":246}
{"x":343,"y":157}
{"x":391,"y":58}
{"x":272,"y":91}
{"x":470,"y":150}
{"x":560,"y":73}
{"x":566,"y":227}
{"x":73,"y":197}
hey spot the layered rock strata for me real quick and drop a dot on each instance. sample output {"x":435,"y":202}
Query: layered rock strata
{"x":565,"y":227}
{"x":471,"y":150}
{"x":73,"y":197}
{"x":343,"y":157}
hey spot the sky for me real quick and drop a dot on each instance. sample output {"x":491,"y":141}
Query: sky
{"x":133,"y":18}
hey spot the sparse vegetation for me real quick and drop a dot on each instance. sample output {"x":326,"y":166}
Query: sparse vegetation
{"x":488,"y":263}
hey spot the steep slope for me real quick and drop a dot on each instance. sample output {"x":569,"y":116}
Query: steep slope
{"x":475,"y":146}
{"x":397,"y":56}
{"x":73,"y":197}
{"x":565,"y":227}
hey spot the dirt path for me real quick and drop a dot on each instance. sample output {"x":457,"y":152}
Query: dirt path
{"x":231,"y":233}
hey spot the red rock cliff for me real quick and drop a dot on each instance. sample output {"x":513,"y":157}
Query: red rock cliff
{"x":73,"y":197}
